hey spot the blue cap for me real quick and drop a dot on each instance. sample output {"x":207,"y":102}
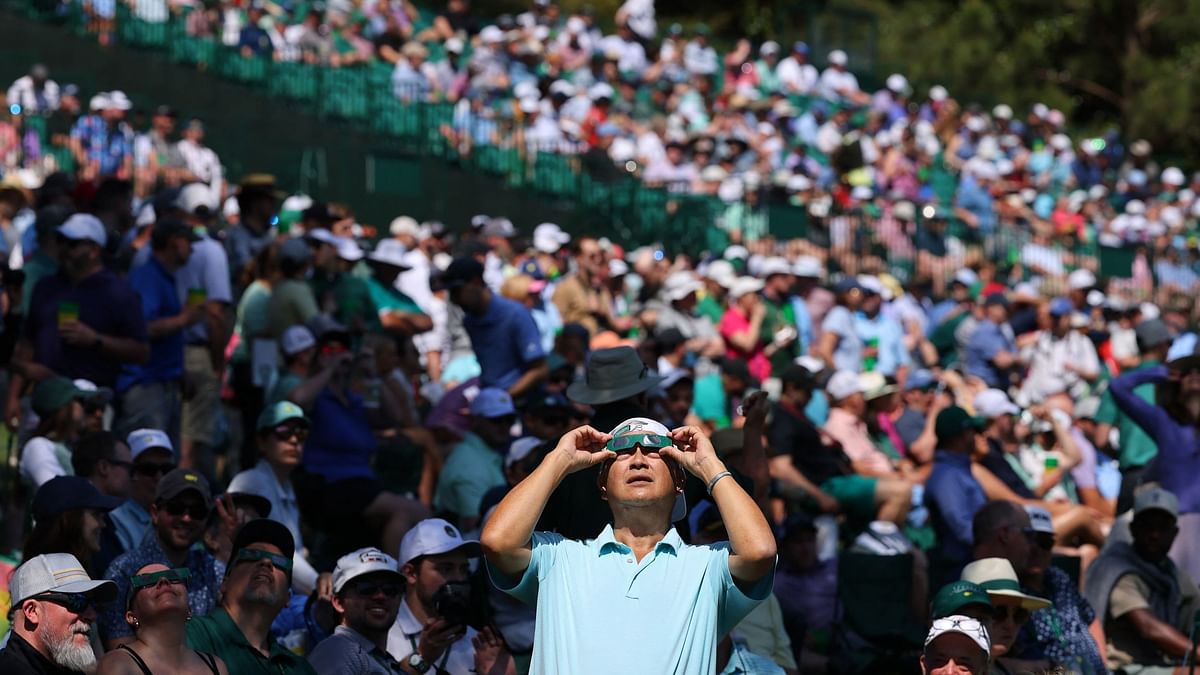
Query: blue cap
{"x":491,"y":403}
{"x":919,"y":379}
{"x":846,"y":285}
{"x":801,"y":47}
{"x":66,"y":493}
{"x":531,"y":268}
{"x":607,"y":130}
{"x":1061,"y":307}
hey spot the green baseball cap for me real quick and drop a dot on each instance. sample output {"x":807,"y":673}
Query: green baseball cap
{"x":279,"y":413}
{"x":954,"y":596}
{"x":51,"y":394}
{"x":953,"y":421}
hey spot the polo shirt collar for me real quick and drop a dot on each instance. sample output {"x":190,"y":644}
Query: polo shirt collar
{"x":283,"y":491}
{"x":230,"y":631}
{"x":405,"y":620}
{"x":607,"y":542}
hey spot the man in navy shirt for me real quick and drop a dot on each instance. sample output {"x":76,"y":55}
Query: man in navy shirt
{"x":84,"y":322}
{"x":952,"y":493}
{"x":503,"y":333}
{"x":151,"y":392}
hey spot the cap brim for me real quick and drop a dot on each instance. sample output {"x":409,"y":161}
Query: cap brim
{"x":101,"y":590}
{"x":1028,"y":602}
{"x":472,"y":548}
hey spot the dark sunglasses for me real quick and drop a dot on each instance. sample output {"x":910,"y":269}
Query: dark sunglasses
{"x":178,"y":509}
{"x":178,"y":575}
{"x":152,"y":469}
{"x":369,"y":589}
{"x":254,"y":555}
{"x":1001,"y":614}
{"x":628,"y":442}
{"x":285,"y":432}
{"x":72,"y":602}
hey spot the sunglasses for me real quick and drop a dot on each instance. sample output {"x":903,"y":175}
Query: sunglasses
{"x":151,"y":469}
{"x":177,"y":509}
{"x":1001,"y":614}
{"x":285,"y":432}
{"x":629,"y":442}
{"x":178,"y":575}
{"x":254,"y":555}
{"x":369,"y":589}
{"x":72,"y":602}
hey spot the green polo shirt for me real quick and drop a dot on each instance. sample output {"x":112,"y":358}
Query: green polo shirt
{"x":710,"y":307}
{"x":1137,"y":448}
{"x":217,"y":634}
{"x":470,"y":471}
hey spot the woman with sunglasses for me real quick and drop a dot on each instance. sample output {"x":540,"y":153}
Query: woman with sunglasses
{"x":1172,"y":418}
{"x":157,"y":609}
{"x":282,"y":431}
{"x":1011,"y":607}
{"x":47,"y":454}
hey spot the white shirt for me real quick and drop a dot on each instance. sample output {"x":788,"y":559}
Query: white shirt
{"x":699,"y":59}
{"x":23,"y":93}
{"x":1048,"y":358}
{"x":632,"y":56}
{"x":414,"y":282}
{"x":39,"y":462}
{"x":834,"y":81}
{"x":285,"y":509}
{"x":797,"y":77}
{"x":829,"y":137}
{"x":406,"y":632}
{"x":203,"y":163}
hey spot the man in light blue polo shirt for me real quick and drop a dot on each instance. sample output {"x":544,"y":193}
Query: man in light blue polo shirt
{"x":635,"y":599}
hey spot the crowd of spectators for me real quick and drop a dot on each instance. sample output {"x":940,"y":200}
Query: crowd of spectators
{"x":236,"y":407}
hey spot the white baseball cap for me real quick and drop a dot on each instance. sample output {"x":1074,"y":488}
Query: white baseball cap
{"x":434,"y":536}
{"x":809,"y":267}
{"x":775,"y":265}
{"x":743,"y":286}
{"x":837,"y":57}
{"x":680,"y":285}
{"x":1081,"y":279}
{"x":142,"y":440}
{"x":404,"y":225}
{"x":296,"y":339}
{"x":362,"y":562}
{"x":549,"y":238}
{"x":56,"y":573}
{"x":843,"y":384}
{"x":389,"y":252}
{"x":992,"y":403}
{"x":520,"y":449}
{"x":82,"y":226}
{"x":963,"y":625}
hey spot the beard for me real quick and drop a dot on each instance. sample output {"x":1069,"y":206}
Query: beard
{"x":66,"y":652}
{"x":261,"y":594}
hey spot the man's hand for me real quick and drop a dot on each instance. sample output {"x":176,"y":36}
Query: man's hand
{"x":694,"y":452}
{"x":436,"y":637}
{"x":77,"y":333}
{"x":827,"y":503}
{"x":580,"y":448}
{"x":491,"y":658}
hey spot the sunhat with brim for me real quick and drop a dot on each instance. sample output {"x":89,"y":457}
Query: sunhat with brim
{"x":997,"y":577}
{"x":613,"y":375}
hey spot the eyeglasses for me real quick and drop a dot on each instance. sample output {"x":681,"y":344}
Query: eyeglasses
{"x":178,"y":509}
{"x":1019,"y":615}
{"x":629,"y":442}
{"x":178,"y":575}
{"x":286,"y":432}
{"x":369,"y":589}
{"x":255,"y":554}
{"x":72,"y":602}
{"x":151,"y":469}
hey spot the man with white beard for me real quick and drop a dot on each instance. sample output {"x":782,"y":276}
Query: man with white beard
{"x":53,"y":613}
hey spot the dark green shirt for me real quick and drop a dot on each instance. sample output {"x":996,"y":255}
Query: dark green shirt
{"x":217,"y":634}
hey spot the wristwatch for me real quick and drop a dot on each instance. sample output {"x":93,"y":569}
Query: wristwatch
{"x":417,"y":663}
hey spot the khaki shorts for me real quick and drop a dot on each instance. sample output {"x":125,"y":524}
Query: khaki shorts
{"x":200,"y":410}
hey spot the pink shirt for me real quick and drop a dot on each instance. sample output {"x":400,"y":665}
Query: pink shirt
{"x":734,"y":322}
{"x":851,"y":432}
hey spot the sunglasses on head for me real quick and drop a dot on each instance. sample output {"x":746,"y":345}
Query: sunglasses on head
{"x":285,"y":432}
{"x":72,"y":602}
{"x":369,"y":589}
{"x":177,"y":509}
{"x":177,"y":575}
{"x":255,"y":554}
{"x":629,"y":442}
{"x":152,"y":469}
{"x":1001,"y":613}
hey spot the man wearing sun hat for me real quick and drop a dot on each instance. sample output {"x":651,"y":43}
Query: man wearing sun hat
{"x":54,"y":612}
{"x":956,"y":645}
{"x":691,"y":595}
{"x":1012,"y":606}
{"x":366,"y":593}
{"x":1145,"y":602}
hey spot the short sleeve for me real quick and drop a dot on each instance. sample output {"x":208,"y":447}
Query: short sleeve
{"x":545,"y":550}
{"x":216,"y":275}
{"x":1107,"y":413}
{"x":733,"y":604}
{"x":838,"y":322}
{"x":39,"y":463}
{"x":1128,"y":594}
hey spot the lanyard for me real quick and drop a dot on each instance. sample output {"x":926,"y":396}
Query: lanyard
{"x":439,"y":668}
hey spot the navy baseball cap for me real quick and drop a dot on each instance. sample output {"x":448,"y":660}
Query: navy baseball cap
{"x":67,"y":493}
